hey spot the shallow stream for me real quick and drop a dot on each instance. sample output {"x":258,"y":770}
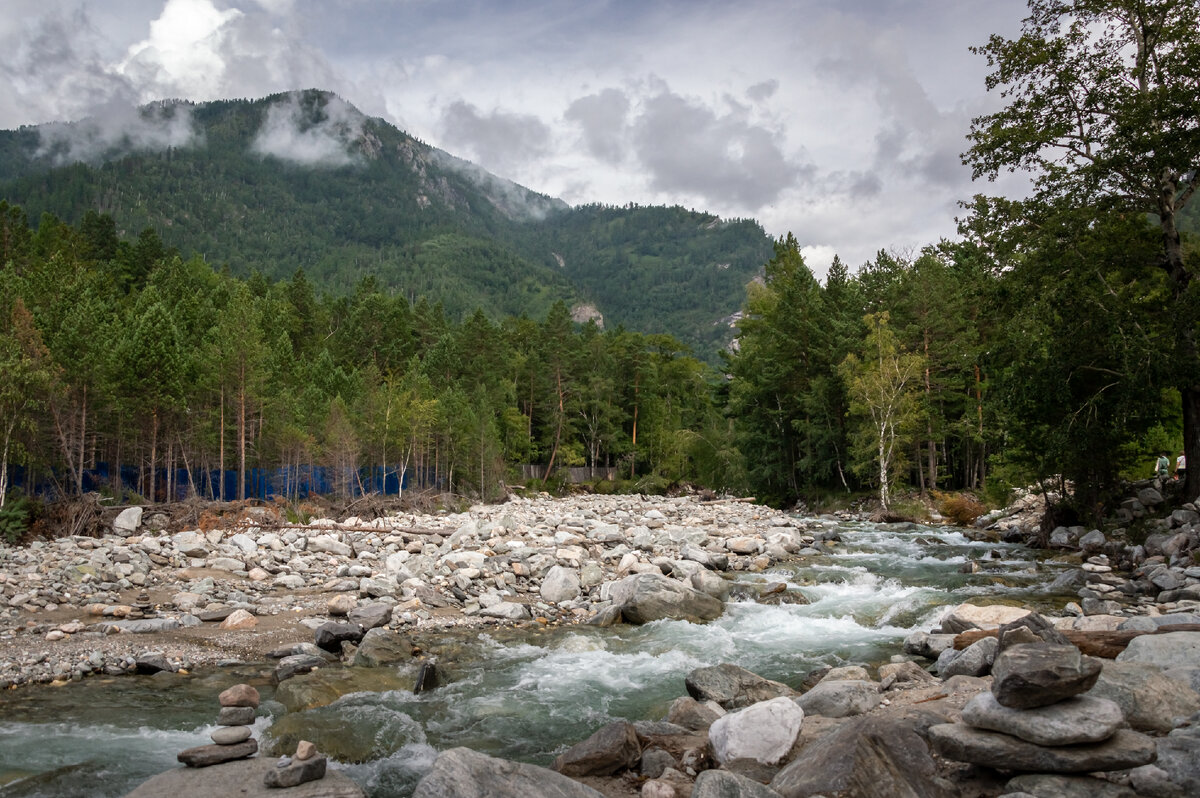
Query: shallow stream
{"x":524,"y":694}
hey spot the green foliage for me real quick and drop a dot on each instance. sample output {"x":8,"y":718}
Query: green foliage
{"x":414,"y":219}
{"x":785,"y":393}
{"x":14,"y":519}
{"x":1100,"y":107}
{"x":881,"y":382}
{"x":194,"y":371}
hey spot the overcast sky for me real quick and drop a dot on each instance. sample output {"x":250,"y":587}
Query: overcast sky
{"x":839,"y":121}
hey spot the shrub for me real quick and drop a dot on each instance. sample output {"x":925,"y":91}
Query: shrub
{"x":14,"y":519}
{"x":960,"y":508}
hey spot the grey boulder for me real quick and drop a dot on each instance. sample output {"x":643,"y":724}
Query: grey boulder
{"x":1125,"y":749}
{"x":1150,"y":700}
{"x":652,"y":597}
{"x":1082,"y":719}
{"x":723,"y":784}
{"x":1169,"y":650}
{"x":380,"y":647}
{"x":1039,"y":674}
{"x":732,"y":686}
{"x":611,"y":748}
{"x":866,"y":758}
{"x":840,"y":698}
{"x":974,"y":660}
{"x":461,"y":772}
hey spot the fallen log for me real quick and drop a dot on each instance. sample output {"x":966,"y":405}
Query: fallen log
{"x":738,"y":500}
{"x":1103,"y":644}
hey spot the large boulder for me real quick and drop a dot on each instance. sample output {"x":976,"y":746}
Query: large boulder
{"x":651,"y":597}
{"x":689,"y":713}
{"x":371,"y":616}
{"x":244,"y":778}
{"x":1170,"y":650}
{"x":330,"y":635}
{"x":1177,"y":769}
{"x":1082,"y":719}
{"x":295,"y":665}
{"x":1125,"y":749}
{"x":840,"y":698}
{"x":733,"y":687}
{"x":866,"y":758}
{"x":323,"y":686}
{"x":1045,"y":784}
{"x":461,"y":772}
{"x":723,"y":784}
{"x":381,"y":647}
{"x":611,"y":748}
{"x":1039,"y":674}
{"x":128,"y":521}
{"x":560,"y":584}
{"x":965,"y":617}
{"x":1150,"y":700}
{"x":764,"y":732}
{"x":974,"y":660}
{"x":1032,"y":628}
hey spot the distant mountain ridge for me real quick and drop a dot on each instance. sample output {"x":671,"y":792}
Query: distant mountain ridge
{"x":305,"y":180}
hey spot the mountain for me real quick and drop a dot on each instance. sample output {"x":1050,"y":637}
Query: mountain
{"x":305,"y":180}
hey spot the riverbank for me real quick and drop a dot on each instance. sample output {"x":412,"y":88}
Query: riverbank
{"x":137,"y":600}
{"x":538,"y":564}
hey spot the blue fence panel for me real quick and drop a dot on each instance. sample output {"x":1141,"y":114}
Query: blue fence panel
{"x":294,"y":482}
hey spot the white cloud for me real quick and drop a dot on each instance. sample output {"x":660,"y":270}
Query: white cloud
{"x":310,"y":133}
{"x":185,"y":50}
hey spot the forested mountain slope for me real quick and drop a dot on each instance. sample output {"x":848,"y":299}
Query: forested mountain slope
{"x":304,"y":180}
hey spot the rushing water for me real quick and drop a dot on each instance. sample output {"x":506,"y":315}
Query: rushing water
{"x":524,"y":694}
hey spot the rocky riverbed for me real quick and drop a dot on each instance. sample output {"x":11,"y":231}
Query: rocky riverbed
{"x":372,"y":593}
{"x":138,"y":600}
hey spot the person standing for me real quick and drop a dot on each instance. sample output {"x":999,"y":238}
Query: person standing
{"x":1162,"y":469}
{"x":1181,"y":467}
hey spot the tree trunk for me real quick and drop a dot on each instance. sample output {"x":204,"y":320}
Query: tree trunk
{"x":883,"y":471}
{"x":558,"y":426}
{"x":82,"y":442}
{"x":221,"y":446}
{"x":153,"y":455}
{"x":1191,"y":439}
{"x":8,"y":430}
{"x":242,"y":433}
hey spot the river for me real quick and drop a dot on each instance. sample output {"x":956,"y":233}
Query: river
{"x":527,"y":694}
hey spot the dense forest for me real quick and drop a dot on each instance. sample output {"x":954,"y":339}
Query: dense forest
{"x":1053,"y":342}
{"x":303,"y":180}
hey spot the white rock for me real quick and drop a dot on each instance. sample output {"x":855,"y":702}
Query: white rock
{"x":560,"y":584}
{"x":128,"y":521}
{"x":764,"y":731}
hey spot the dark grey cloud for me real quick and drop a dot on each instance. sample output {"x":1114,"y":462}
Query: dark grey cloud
{"x":496,"y":139}
{"x":724,"y":158}
{"x":603,"y":118}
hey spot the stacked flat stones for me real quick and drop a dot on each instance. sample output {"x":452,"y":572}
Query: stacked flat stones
{"x":306,"y":765}
{"x":1036,"y":717}
{"x":233,"y":739}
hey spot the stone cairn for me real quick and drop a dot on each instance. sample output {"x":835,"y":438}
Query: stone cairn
{"x":233,"y":739}
{"x":306,"y":765}
{"x":1036,"y":717}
